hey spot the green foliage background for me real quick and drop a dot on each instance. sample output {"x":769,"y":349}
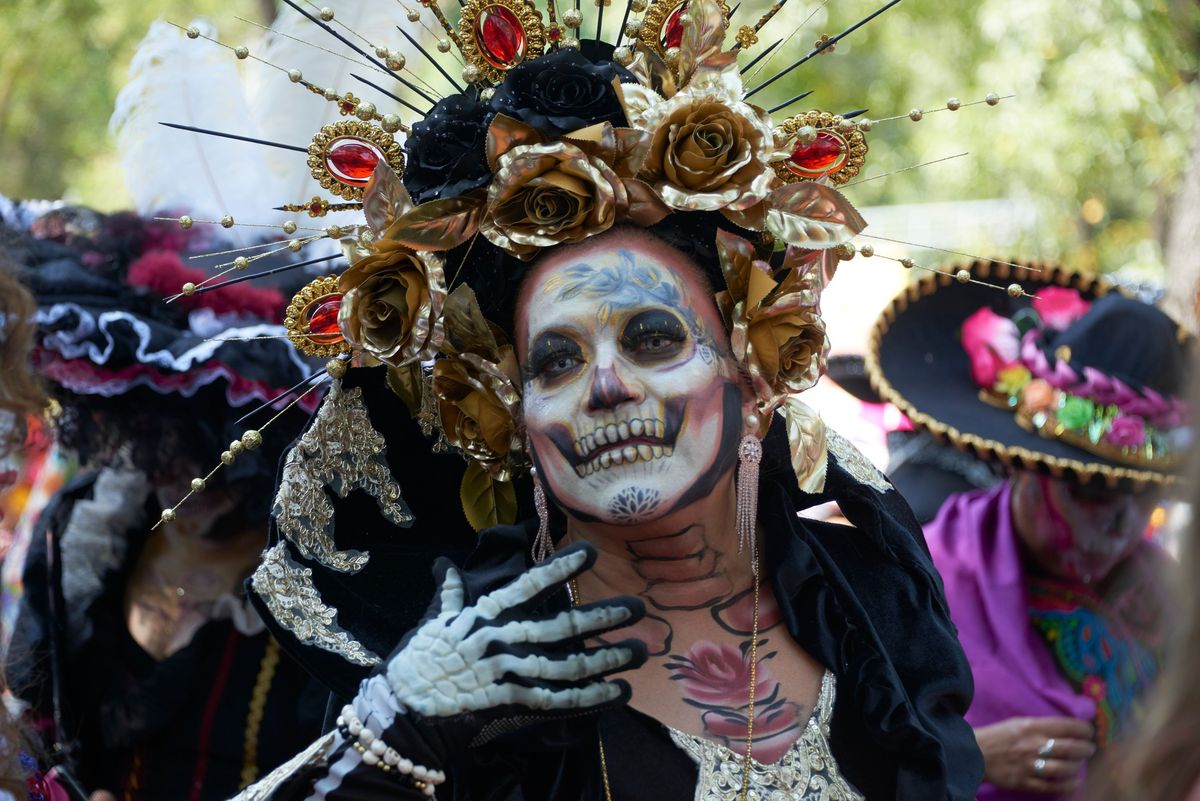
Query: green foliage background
{"x":1103,"y":115}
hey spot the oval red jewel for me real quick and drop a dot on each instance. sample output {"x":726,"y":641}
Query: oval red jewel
{"x":352,"y":160}
{"x":672,"y":29}
{"x":825,"y":155}
{"x":323,"y":321}
{"x":500,"y":37}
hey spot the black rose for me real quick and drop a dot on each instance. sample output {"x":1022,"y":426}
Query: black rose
{"x":561,"y":92}
{"x":445,"y":151}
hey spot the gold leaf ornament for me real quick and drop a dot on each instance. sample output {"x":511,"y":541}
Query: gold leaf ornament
{"x":438,"y":225}
{"x":812,"y":215}
{"x":808,"y":441}
{"x":700,"y":49}
{"x":385,"y":199}
{"x":486,"y":502}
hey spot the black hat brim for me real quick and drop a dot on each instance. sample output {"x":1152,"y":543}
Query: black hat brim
{"x":916,"y":361}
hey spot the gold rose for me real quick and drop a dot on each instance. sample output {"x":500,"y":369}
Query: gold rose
{"x":775,"y":327}
{"x":392,"y":303}
{"x":549,"y":192}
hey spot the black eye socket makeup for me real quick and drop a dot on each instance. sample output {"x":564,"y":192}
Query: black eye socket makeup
{"x":654,"y":334}
{"x":553,"y":355}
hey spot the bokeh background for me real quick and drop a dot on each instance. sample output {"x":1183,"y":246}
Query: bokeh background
{"x":1088,"y":162}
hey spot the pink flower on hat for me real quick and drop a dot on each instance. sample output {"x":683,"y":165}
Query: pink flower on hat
{"x":1059,"y":307}
{"x":1127,"y":432}
{"x":992,"y":342}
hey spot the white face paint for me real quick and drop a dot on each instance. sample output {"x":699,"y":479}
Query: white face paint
{"x":631,"y":398}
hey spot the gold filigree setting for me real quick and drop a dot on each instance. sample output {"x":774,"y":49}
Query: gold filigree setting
{"x":297,"y":319}
{"x":530,"y":38}
{"x":382,"y":145}
{"x":847,"y":132}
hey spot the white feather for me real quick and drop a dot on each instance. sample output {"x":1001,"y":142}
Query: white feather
{"x":174,"y":79}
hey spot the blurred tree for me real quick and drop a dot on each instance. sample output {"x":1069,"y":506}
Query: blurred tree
{"x":62,"y":63}
{"x":1095,"y":138}
{"x":1094,"y":141}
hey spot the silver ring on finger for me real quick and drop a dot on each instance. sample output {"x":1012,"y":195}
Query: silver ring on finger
{"x":1039,"y":766}
{"x":1047,"y":749}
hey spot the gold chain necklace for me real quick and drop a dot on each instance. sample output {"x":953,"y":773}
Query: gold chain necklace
{"x":573,"y":587}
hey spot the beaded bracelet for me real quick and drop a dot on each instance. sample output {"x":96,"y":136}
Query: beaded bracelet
{"x":377,"y":753}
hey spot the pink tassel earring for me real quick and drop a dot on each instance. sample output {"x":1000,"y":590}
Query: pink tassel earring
{"x":543,"y":545}
{"x":749,"y":457}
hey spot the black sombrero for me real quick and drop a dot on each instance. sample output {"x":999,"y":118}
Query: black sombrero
{"x":1100,"y":352}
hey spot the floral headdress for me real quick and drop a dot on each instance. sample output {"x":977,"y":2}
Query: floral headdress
{"x":553,"y":142}
{"x":1077,"y":379}
{"x":1099,"y":413}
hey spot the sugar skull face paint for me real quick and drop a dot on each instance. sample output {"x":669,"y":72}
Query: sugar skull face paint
{"x":1074,"y":532}
{"x":631,"y":401}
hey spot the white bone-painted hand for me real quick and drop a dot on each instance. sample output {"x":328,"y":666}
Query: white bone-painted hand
{"x":495,"y":654}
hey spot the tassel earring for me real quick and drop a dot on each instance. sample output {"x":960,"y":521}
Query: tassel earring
{"x":749,"y":457}
{"x":543,"y":545}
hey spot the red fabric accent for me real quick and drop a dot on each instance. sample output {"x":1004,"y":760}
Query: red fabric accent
{"x":210,"y":714}
{"x":164,"y":272}
{"x":82,"y":376}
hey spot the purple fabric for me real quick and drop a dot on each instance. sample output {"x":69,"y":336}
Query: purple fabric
{"x":975,"y":548}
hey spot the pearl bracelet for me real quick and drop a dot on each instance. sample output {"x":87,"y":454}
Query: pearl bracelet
{"x":377,"y":753}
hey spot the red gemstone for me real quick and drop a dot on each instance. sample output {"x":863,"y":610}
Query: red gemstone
{"x":826,"y":154}
{"x":672,"y":29}
{"x":316,"y":210}
{"x":554,"y":34}
{"x":500,"y":37}
{"x":352,"y":160}
{"x":323,"y":321}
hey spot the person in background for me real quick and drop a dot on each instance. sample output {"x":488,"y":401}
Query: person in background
{"x":1162,"y":763}
{"x":1057,"y":592}
{"x":147,"y":672}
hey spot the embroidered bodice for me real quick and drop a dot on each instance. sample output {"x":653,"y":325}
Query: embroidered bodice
{"x":807,"y":772}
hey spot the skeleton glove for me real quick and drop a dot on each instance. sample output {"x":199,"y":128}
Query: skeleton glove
{"x":466,"y":667}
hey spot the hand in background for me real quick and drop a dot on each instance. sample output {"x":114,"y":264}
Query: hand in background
{"x":1039,"y":755}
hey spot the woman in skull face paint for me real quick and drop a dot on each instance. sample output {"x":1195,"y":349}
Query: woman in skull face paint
{"x":838,"y":671}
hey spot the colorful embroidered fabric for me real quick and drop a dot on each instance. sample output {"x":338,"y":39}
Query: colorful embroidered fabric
{"x":1097,"y":651}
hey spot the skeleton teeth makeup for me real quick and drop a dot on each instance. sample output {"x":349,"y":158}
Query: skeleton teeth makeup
{"x":629,"y":386}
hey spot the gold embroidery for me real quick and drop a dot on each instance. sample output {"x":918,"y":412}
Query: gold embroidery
{"x":258,"y":705}
{"x":806,"y":436}
{"x":807,"y":772}
{"x":314,"y":755}
{"x":853,"y":462}
{"x":340,"y":451}
{"x":288,"y":591}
